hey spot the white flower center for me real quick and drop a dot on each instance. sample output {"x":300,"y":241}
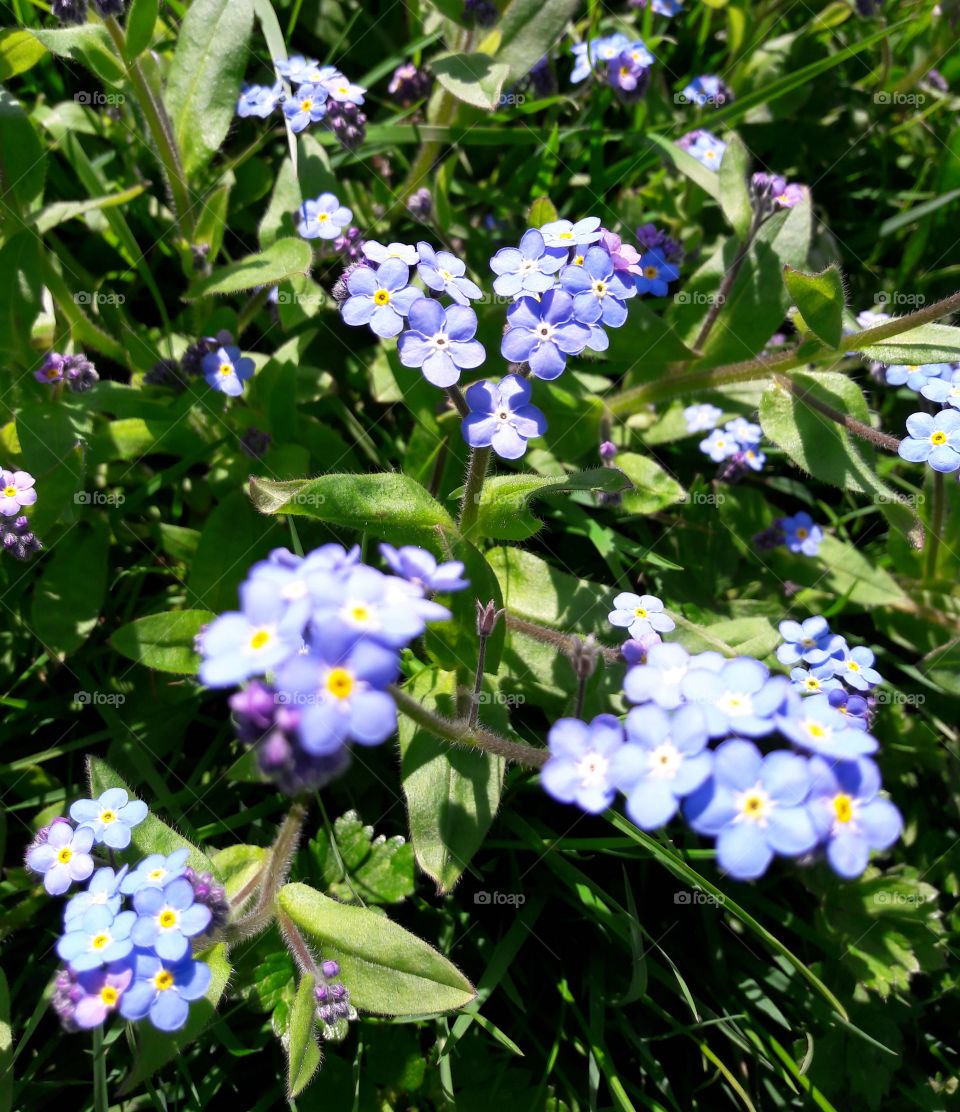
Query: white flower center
{"x":665,"y":761}
{"x":754,"y":805}
{"x":734,"y":704}
{"x":545,"y":332}
{"x":592,"y":770}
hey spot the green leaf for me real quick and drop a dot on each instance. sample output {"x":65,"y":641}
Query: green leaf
{"x":734,"y":193}
{"x":529,"y":30}
{"x":89,"y":44}
{"x":930,"y":343}
{"x":850,"y":574}
{"x":503,"y":512}
{"x":452,"y":794}
{"x":392,"y":507}
{"x":819,"y":298}
{"x":53,"y":452}
{"x":473,"y":78}
{"x":141,"y":21}
{"x":389,"y":971}
{"x":22,"y":163}
{"x":19,"y":51}
{"x":541,"y":212}
{"x":756,"y":636}
{"x":238,"y":865}
{"x":156,"y":1048}
{"x":378,"y":870}
{"x":61,"y":211}
{"x":6,"y":1047}
{"x":205,"y":76}
{"x":707,"y":179}
{"x":21,"y":290}
{"x":163,"y":641}
{"x":66,"y":606}
{"x":653,"y":488}
{"x":287,"y":258}
{"x":303,"y":1053}
{"x":151,"y":835}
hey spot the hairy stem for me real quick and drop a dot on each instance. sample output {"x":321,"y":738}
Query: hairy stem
{"x":455,"y":395}
{"x":726,"y":285}
{"x":935,"y":527}
{"x":473,"y":489}
{"x":858,"y":428}
{"x":297,"y":945}
{"x":478,"y":682}
{"x":562,"y":642}
{"x":461,"y":733}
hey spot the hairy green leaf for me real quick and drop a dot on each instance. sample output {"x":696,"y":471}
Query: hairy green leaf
{"x":819,"y":298}
{"x":163,"y":641}
{"x":286,"y":258}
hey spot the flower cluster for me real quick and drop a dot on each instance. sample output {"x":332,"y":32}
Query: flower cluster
{"x":320,"y":93}
{"x":216,"y":359}
{"x":128,"y":938}
{"x":689,"y":745}
{"x":736,"y":447}
{"x":771,"y":192}
{"x":334,"y":1009}
{"x":16,"y":493}
{"x":623,"y":62}
{"x":79,"y":374}
{"x":317,"y":643}
{"x":705,"y":147}
{"x":831,"y":663}
{"x":799,"y":534}
{"x":707,"y":89}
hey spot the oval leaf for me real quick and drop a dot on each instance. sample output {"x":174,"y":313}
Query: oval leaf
{"x":303,"y":1054}
{"x":819,"y":298}
{"x":163,"y":641}
{"x":388,"y":970}
{"x":287,"y":258}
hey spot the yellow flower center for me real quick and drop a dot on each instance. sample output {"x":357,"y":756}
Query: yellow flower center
{"x":843,"y":807}
{"x":306,"y":104}
{"x":10,"y":491}
{"x":156,"y":874}
{"x":565,"y":235}
{"x":754,"y":804}
{"x":624,"y":70}
{"x":259,"y":639}
{"x":599,"y":288}
{"x":381,"y":297}
{"x":100,"y":941}
{"x":815,"y":730}
{"x":812,"y":683}
{"x":168,"y":918}
{"x":803,"y":533}
{"x":226,"y":369}
{"x":853,"y":666}
{"x":578,"y":261}
{"x":65,"y":855}
{"x":937,"y":438}
{"x":163,"y":980}
{"x":640,"y":612}
{"x":340,"y":683}
{"x":650,"y":272}
{"x":109,"y":995}
{"x":107,"y":817}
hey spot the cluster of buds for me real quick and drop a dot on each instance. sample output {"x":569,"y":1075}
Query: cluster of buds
{"x":409,"y":84}
{"x":76,"y":371}
{"x":207,"y":891}
{"x":17,"y":538}
{"x":334,"y":1009}
{"x":346,"y":120}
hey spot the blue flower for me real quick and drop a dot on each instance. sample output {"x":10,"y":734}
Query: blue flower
{"x":810,"y":641}
{"x":445,"y":273}
{"x":308,"y":105}
{"x":667,"y":7}
{"x":259,"y":100}
{"x":101,"y":990}
{"x":501,"y":417}
{"x":856,"y":667}
{"x":154,"y":871}
{"x":598,"y":291}
{"x":665,"y":759}
{"x":422,"y":569}
{"x":252,"y":641}
{"x":441,"y":343}
{"x":164,"y":991}
{"x":103,"y":890}
{"x":658,"y":678}
{"x":943,"y":391}
{"x":801,"y":534}
{"x":226,"y":370}
{"x":747,"y":434}
{"x":707,"y":89}
{"x":363,"y":603}
{"x":655,"y":272}
{"x":814,"y":681}
{"x":719,"y":446}
{"x":297,"y":69}
{"x":566,"y":233}
{"x":527,"y":269}
{"x":753,"y":805}
{"x":934,"y":440}
{"x":815,"y":725}
{"x":111,"y":817}
{"x":167,"y":918}
{"x":341,"y":695}
{"x":639,"y":614}
{"x":323,"y":218}
{"x":379,"y":253}
{"x":342,"y":90}
{"x":578,"y":770}
{"x":707,"y":149}
{"x":848,"y":813}
{"x":855,"y":708}
{"x":625,"y":75}
{"x":702,"y":418}
{"x":543,"y":333}
{"x":96,"y":938}
{"x":381,"y":297}
{"x":588,"y":54}
{"x":64,"y":858}
{"x":740,"y":697}
{"x":916,"y":376}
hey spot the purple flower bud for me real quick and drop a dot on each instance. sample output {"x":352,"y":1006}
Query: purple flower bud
{"x":321,"y":993}
{"x":420,"y":204}
{"x":608,"y":451}
{"x":330,"y":969}
{"x":79,"y":373}
{"x":487,"y":618}
{"x":70,"y":11}
{"x":254,"y":442}
{"x":409,"y":84}
{"x":166,"y":372}
{"x":635,"y":650}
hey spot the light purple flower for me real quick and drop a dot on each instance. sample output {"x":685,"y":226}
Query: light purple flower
{"x":111,"y":817}
{"x":445,"y":273}
{"x":441,"y":343}
{"x":527,"y":269}
{"x":501,"y":417}
{"x":64,"y":858}
{"x":102,"y":990}
{"x":578,"y":770}
{"x":16,"y":491}
{"x":543,"y":333}
{"x":421,"y":568}
{"x":381,"y":297}
{"x":323,"y":218}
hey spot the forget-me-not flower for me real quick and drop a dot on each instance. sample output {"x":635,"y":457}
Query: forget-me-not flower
{"x":64,"y":858}
{"x":443,"y":272}
{"x":740,"y":697}
{"x":934,"y":440}
{"x":323,"y":218}
{"x":96,"y":938}
{"x":543,"y":333}
{"x":640,"y":614}
{"x":421,"y":568}
{"x":815,"y":725}
{"x":599,"y":292}
{"x":527,"y":269}
{"x":308,"y":105}
{"x":801,"y":534}
{"x":501,"y":416}
{"x":381,"y":297}
{"x":167,"y":918}
{"x":111,"y":817}
{"x":164,"y":991}
{"x":654,"y":273}
{"x":226,"y":370}
{"x":155,"y":871}
{"x":440,"y":342}
{"x":578,"y":770}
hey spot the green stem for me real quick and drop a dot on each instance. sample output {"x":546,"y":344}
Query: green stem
{"x":562,"y":642}
{"x":460,"y":733}
{"x":935,"y":527}
{"x":764,"y":366}
{"x":727,"y":284}
{"x":858,"y":428}
{"x":473,"y":490}
{"x":160,"y":130}
{"x":101,"y":1102}
{"x":298,"y":946}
